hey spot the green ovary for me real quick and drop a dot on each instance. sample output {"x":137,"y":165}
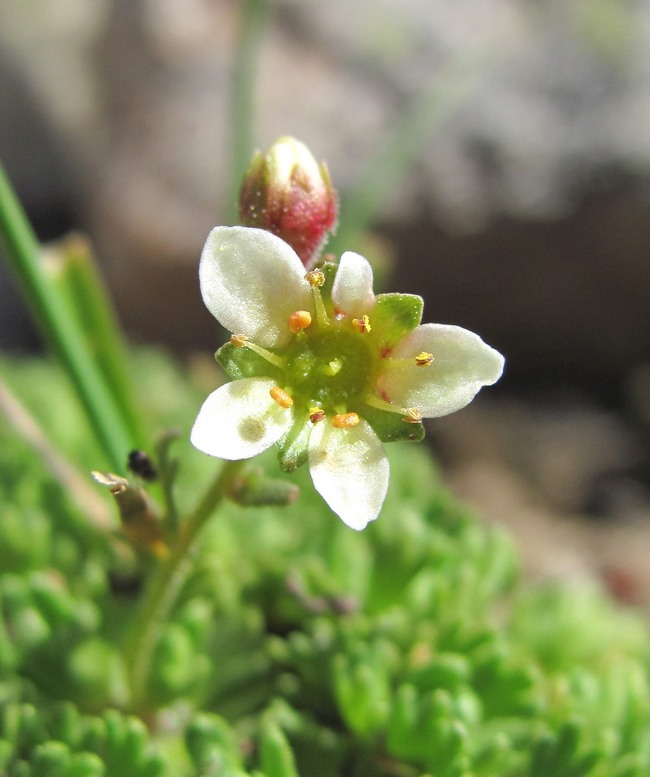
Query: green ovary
{"x":330,"y":369}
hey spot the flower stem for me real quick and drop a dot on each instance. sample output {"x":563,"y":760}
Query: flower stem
{"x":166,"y":583}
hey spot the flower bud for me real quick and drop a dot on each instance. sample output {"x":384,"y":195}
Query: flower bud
{"x":288,"y":193}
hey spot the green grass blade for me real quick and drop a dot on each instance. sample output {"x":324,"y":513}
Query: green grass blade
{"x":73,"y":269}
{"x":60,"y":329}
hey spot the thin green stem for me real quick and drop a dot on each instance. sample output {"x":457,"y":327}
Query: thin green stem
{"x":253,"y":14}
{"x":60,"y":328}
{"x":166,"y":583}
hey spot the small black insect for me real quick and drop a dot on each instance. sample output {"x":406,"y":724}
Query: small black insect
{"x":140,"y":464}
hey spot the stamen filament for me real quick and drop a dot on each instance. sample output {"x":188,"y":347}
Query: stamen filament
{"x":272,"y":358}
{"x":319,"y":305}
{"x":382,"y":404}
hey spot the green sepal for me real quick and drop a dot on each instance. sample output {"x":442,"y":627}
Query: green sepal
{"x":390,"y":427}
{"x":292,"y":447}
{"x":240,"y":363}
{"x":394,"y":315}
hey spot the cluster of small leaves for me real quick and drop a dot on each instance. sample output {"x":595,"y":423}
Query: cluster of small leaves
{"x":298,"y":647}
{"x":55,"y":740}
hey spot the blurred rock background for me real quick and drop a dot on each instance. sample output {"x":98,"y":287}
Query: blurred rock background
{"x":525,"y":215}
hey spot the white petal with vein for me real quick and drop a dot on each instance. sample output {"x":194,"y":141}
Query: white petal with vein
{"x":240,"y":420}
{"x":462,"y":364}
{"x":251,"y":282}
{"x":350,"y":471}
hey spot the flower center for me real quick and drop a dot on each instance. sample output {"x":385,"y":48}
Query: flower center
{"x":329,"y":368}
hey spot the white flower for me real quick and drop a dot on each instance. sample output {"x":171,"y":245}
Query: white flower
{"x":324,"y":368}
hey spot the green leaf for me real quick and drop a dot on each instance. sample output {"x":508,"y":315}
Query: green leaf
{"x":362,"y":685}
{"x":86,"y":765}
{"x":292,"y":447}
{"x":390,"y":427}
{"x":241,"y":363}
{"x":50,"y":759}
{"x":276,"y":755}
{"x":210,"y":741}
{"x":394,"y":315}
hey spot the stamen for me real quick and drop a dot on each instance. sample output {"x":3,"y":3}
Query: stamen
{"x":316,"y":414}
{"x":345,"y":420}
{"x":272,"y":358}
{"x":421,"y":360}
{"x":413,"y":416}
{"x":299,"y":320}
{"x":362,"y":325}
{"x":389,"y":407}
{"x":315,"y":278}
{"x":239,"y":341}
{"x":319,"y":305}
{"x":280,"y":396}
{"x":424,"y":359}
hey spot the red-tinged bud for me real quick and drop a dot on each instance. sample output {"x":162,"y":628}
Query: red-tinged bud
{"x":288,"y":193}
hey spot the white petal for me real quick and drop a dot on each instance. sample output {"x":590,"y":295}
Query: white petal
{"x":462,"y":364}
{"x":251,"y":282}
{"x":240,"y":420}
{"x":352,"y":289}
{"x":350,"y":471}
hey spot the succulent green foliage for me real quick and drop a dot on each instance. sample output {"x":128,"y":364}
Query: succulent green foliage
{"x":298,"y":646}
{"x":45,"y":740}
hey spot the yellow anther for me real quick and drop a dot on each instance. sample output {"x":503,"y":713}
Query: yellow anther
{"x":315,"y":278}
{"x":345,"y":420}
{"x":424,"y":359}
{"x":239,"y":341}
{"x":362,"y":324}
{"x":413,"y":415}
{"x":281,"y":397}
{"x":299,"y":320}
{"x":316,"y":414}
